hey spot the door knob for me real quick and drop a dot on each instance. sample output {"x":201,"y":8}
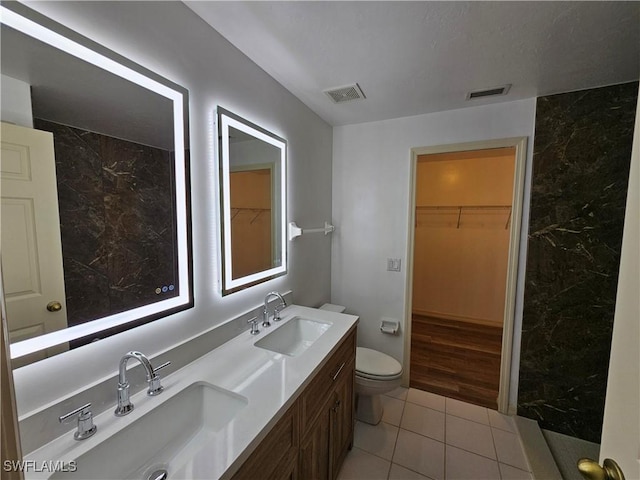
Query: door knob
{"x":590,"y":470}
{"x":54,"y":306}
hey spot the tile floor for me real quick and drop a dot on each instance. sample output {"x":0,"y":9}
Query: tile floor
{"x":426,"y":436}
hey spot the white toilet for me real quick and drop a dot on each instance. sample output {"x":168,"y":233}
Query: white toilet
{"x":376,"y":374}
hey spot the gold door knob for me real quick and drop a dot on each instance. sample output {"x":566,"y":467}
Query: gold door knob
{"x":54,"y":306}
{"x":590,"y":470}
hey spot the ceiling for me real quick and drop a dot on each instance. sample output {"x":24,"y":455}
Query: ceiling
{"x":412,"y":58}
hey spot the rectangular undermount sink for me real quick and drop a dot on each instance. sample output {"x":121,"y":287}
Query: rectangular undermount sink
{"x":181,"y":436}
{"x":294,"y":337}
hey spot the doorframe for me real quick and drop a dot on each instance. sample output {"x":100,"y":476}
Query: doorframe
{"x":10,"y":447}
{"x":520,"y":144}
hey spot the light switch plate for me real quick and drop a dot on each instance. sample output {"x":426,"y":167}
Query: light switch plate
{"x":394,"y":264}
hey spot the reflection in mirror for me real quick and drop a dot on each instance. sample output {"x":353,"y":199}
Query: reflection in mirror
{"x":95,"y":230}
{"x":253,"y":190}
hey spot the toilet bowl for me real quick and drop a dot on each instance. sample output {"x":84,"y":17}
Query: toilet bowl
{"x":376,"y":374}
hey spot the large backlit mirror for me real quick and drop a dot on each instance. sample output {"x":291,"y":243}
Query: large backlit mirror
{"x":253,"y":191}
{"x":95,"y":202}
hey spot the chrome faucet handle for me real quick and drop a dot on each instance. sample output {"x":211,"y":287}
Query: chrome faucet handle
{"x":155,"y":387}
{"x":277,"y":310}
{"x":86,"y":428}
{"x":254,"y":326}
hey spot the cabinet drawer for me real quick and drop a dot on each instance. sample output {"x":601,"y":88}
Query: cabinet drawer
{"x":318,"y":391}
{"x":277,"y":455}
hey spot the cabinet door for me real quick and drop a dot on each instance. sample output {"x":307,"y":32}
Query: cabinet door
{"x":276,"y":457}
{"x":342,"y":418}
{"x":315,"y":449}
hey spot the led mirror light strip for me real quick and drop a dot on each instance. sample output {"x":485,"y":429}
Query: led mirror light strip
{"x":39,"y":32}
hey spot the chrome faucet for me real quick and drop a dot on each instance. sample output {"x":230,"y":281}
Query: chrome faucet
{"x":153,"y":379}
{"x":276,"y":312}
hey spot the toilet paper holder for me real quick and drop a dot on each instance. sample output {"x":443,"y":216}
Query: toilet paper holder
{"x":389,"y":326}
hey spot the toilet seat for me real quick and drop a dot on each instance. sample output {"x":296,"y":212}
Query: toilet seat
{"x":376,"y":365}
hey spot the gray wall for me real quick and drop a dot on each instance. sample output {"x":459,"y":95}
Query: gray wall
{"x":170,"y":39}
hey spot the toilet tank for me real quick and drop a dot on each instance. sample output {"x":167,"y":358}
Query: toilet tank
{"x":333,"y":308}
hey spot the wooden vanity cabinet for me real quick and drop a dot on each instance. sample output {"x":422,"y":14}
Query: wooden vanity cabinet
{"x":312,"y":439}
{"x":327,"y":415}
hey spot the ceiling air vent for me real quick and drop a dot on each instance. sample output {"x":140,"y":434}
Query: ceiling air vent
{"x":345,"y":94}
{"x":489,"y":92}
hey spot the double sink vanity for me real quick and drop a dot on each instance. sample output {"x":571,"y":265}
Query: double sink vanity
{"x":276,"y":404}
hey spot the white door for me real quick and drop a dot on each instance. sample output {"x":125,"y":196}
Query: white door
{"x":621,"y":426}
{"x":30,"y":235}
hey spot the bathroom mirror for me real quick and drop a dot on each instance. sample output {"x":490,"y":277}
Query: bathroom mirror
{"x":253,"y":201}
{"x":114,"y":157}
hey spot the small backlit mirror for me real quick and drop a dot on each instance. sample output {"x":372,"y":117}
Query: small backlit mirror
{"x":253,"y":201}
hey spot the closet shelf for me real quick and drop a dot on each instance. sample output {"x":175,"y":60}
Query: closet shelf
{"x":460,"y":209}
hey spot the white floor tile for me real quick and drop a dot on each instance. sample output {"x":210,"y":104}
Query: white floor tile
{"x":424,"y":421}
{"x":400,"y":473}
{"x":360,"y":465}
{"x":511,"y":473}
{"x":416,"y":449}
{"x":462,"y":465}
{"x":498,"y":420}
{"x":471,"y":436}
{"x":426,"y":399}
{"x":509,"y":449}
{"x":420,"y":454}
{"x":379,"y":440}
{"x":392,"y":410}
{"x":400,"y":393}
{"x":467,"y":410}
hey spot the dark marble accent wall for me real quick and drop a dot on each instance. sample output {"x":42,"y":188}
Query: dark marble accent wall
{"x":582,"y":152}
{"x":117,"y":221}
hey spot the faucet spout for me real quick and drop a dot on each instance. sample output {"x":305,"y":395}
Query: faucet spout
{"x":122,"y":370}
{"x":124,"y":404}
{"x":265,"y":310}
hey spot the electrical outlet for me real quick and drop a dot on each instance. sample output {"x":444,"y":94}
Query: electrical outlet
{"x":394,"y":264}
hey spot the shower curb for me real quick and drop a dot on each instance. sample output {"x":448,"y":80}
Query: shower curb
{"x":541,"y":462}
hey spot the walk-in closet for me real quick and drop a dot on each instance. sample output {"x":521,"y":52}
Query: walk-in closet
{"x":461,"y":250}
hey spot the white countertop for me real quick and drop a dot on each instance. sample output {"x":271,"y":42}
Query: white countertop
{"x":269,"y":381}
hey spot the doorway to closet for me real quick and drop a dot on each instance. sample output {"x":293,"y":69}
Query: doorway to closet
{"x":464,"y":262}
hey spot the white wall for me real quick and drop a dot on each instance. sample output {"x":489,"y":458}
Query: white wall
{"x":371,"y":209}
{"x":170,"y":39}
{"x":15,"y":102}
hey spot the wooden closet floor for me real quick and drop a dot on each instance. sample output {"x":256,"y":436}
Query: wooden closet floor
{"x":456,"y":358}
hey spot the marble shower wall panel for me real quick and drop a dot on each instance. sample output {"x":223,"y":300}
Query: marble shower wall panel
{"x":117,"y":222}
{"x":581,"y":158}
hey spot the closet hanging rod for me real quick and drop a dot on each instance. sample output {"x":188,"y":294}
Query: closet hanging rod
{"x":296,"y":231}
{"x":459,"y":208}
